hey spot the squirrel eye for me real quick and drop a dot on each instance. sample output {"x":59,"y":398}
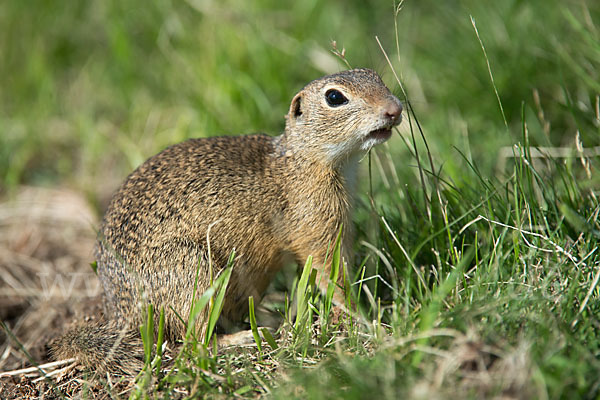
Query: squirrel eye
{"x":335,"y":98}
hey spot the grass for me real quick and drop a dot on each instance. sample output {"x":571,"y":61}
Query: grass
{"x":476,"y":254}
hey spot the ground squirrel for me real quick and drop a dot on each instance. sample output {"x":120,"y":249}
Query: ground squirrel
{"x":263,"y":196}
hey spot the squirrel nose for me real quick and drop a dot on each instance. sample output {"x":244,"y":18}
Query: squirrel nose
{"x":393,"y":110}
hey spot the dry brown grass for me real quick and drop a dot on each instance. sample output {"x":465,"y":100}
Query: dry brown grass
{"x":46,"y":242}
{"x":470,"y":368}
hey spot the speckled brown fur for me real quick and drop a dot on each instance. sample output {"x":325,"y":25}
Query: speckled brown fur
{"x":263,"y":196}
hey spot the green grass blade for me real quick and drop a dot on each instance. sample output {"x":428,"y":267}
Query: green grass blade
{"x":487,"y":61}
{"x":302,"y":293}
{"x":269,"y":338}
{"x":335,"y":271}
{"x":147,"y":331}
{"x":221,"y":284}
{"x":253,"y":325}
{"x":199,"y":306}
{"x":160,"y":340}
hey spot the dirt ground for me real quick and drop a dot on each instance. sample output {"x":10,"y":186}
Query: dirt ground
{"x":46,"y":282}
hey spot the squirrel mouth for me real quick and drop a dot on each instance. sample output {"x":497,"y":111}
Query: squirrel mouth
{"x":382,"y":134}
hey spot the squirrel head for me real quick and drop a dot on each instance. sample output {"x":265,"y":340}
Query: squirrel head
{"x":338,"y":116}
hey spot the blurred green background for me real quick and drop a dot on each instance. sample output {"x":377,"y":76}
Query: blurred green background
{"x":89,"y":89}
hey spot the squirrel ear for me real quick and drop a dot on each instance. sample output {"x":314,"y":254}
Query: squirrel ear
{"x":296,"y":107}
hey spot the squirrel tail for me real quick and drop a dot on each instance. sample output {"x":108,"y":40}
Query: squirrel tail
{"x":101,"y":347}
